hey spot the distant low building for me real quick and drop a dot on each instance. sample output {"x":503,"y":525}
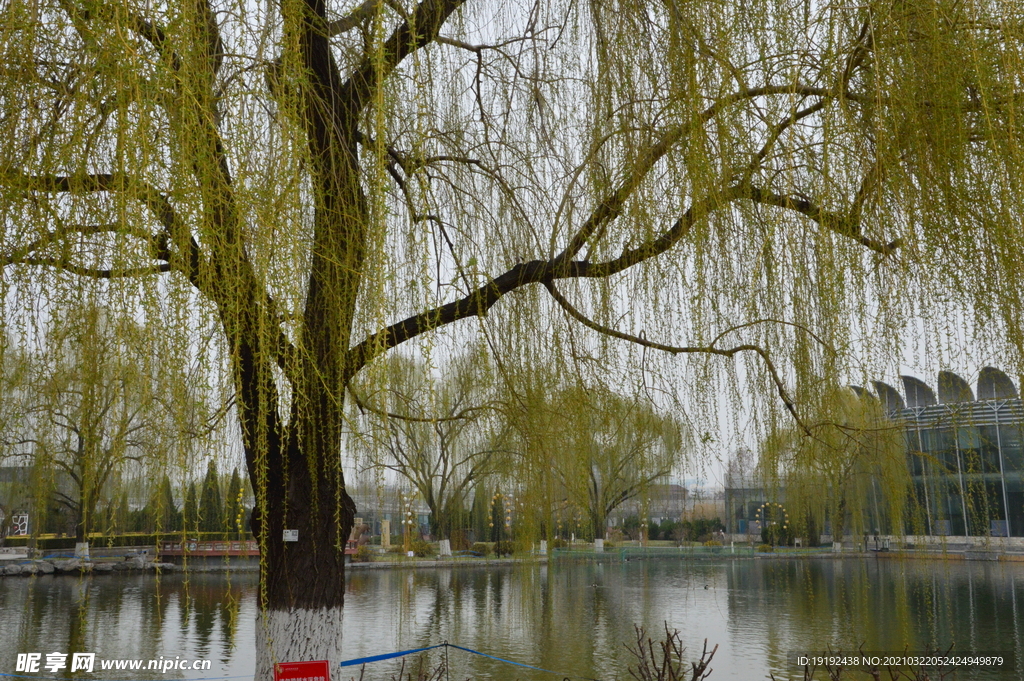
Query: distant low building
{"x":664,"y":501}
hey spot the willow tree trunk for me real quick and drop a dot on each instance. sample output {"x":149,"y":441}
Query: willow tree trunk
{"x":296,"y":467}
{"x":303,"y":581}
{"x":599,"y":521}
{"x":297,"y":479}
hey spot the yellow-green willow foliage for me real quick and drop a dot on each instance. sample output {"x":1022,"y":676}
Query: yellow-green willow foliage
{"x":97,"y":410}
{"x":435,"y":430}
{"x":848,"y":467}
{"x":583,"y":452}
{"x":96,"y":413}
{"x":688,"y":198}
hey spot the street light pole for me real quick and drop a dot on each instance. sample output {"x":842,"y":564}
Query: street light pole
{"x":407,"y":522}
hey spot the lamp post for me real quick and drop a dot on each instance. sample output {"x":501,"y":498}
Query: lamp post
{"x":644,"y":523}
{"x":775,"y":522}
{"x":511,"y":502}
{"x":407,"y":521}
{"x":495,"y":533}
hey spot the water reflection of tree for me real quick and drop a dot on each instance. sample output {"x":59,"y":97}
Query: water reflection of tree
{"x":203,"y":602}
{"x":78,"y":624}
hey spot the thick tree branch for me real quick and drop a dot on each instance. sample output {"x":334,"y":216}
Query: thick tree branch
{"x":91,"y":272}
{"x":840,"y":224}
{"x":63,"y":231}
{"x":419,"y":30}
{"x":158,"y":204}
{"x":461,"y":415}
{"x":706,"y":349}
{"x":353,"y":18}
{"x":476,"y":303}
{"x":479,"y":301}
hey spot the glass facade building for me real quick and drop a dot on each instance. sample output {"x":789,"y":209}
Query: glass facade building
{"x":965,"y":454}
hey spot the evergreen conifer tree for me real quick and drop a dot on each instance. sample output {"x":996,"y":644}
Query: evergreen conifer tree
{"x":190,"y":521}
{"x":233,"y":519}
{"x":211,"y":510}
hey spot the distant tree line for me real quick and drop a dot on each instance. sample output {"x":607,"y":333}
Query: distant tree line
{"x":545,"y":455}
{"x":209,"y":507}
{"x":697,"y":529}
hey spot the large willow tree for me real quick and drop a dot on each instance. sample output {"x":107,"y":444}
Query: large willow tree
{"x":852,"y":473}
{"x":581,"y":451}
{"x":437,"y":435}
{"x":617,"y":183}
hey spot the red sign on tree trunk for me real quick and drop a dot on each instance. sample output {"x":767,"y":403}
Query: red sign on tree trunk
{"x":303,"y":671}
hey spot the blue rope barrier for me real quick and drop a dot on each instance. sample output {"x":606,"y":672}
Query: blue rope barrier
{"x":520,"y":664}
{"x":387,"y":656}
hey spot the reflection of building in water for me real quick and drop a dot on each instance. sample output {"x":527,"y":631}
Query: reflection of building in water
{"x":965,"y":456}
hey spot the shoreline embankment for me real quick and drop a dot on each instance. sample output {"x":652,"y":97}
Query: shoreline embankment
{"x":132,"y":560}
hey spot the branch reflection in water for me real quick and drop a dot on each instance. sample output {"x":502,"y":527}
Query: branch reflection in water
{"x":572,"y":617}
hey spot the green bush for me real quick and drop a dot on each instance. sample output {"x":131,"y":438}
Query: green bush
{"x":364,"y":554}
{"x":482,"y":548}
{"x":422,"y":549}
{"x":504,"y":548}
{"x":558,"y":543}
{"x":668,"y":530}
{"x":765,"y":548}
{"x":698,"y":529}
{"x":459,"y":540}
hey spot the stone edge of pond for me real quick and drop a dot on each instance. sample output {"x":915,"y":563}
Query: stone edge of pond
{"x":78,"y":567}
{"x":75,"y":566}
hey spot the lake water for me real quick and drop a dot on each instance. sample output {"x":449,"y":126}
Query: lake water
{"x":569,"y":618}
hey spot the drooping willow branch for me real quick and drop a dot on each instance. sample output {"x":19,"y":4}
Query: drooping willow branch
{"x":463,"y":415}
{"x":187,"y":259}
{"x":611,"y":205}
{"x":428,"y":18}
{"x":840,"y":224}
{"x":479,"y":301}
{"x":677,"y":350}
{"x":340,"y":103}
